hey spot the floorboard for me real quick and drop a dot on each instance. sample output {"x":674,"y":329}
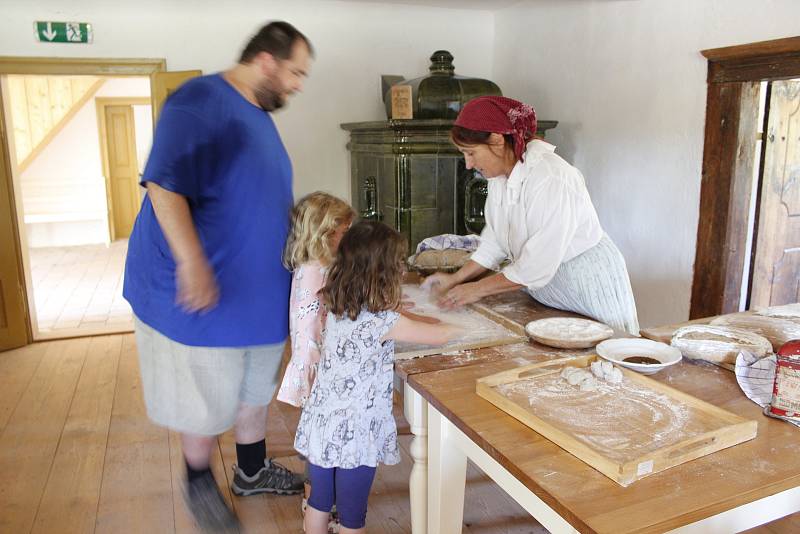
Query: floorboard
{"x":78,"y":454}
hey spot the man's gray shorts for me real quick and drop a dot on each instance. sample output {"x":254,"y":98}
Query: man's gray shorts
{"x":197,"y":390}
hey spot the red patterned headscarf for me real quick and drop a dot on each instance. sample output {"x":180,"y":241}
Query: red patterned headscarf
{"x":498,"y":114}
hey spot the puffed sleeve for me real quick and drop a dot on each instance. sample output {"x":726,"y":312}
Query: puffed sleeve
{"x":490,"y":254}
{"x":307,"y":321}
{"x":551,"y":220}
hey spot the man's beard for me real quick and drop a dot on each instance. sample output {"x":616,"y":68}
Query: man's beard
{"x":268,"y":98}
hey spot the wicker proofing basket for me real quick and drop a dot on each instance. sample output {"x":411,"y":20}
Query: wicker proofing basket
{"x":448,"y":260}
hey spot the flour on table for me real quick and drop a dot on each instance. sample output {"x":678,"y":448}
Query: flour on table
{"x":623,"y":421}
{"x":475,"y":327}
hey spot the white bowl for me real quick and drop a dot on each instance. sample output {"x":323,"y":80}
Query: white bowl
{"x":616,"y":350}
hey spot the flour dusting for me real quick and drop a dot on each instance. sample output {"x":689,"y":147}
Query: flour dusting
{"x":621,"y":421}
{"x":475,"y":327}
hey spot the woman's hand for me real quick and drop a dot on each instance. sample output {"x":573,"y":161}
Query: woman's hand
{"x":439,"y":283}
{"x":461,"y":295}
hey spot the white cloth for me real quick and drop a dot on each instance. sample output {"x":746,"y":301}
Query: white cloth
{"x":539,"y":217}
{"x":756,"y":377}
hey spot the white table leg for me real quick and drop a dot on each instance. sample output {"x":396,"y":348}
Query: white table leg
{"x":415,"y":408}
{"x":447,"y":477}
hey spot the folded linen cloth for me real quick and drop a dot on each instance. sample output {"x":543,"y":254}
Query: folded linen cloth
{"x":445,"y":241}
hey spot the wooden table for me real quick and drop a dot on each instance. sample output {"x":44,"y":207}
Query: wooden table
{"x":512,"y":309}
{"x":728,"y":491}
{"x":664,"y":333}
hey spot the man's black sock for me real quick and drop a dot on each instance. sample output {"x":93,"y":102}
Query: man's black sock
{"x":250,"y":457}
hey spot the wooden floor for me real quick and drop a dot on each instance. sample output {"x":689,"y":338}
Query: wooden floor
{"x":77,"y":454}
{"x":79,"y":289}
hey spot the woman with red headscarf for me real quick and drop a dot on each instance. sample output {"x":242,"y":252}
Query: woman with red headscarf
{"x":540,"y":221}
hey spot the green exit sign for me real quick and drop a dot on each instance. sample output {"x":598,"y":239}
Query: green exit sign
{"x":63,"y":32}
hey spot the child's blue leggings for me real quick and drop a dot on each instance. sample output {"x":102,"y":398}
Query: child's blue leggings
{"x":347,"y":488}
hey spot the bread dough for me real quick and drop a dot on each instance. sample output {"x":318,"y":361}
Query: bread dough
{"x":589,"y":384}
{"x":577,"y":377}
{"x":615,"y":377}
{"x":589,"y":381}
{"x":568,"y":371}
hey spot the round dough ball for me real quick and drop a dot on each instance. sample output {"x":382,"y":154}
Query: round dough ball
{"x":589,"y":384}
{"x":577,"y":377}
{"x":568,"y":371}
{"x":615,"y":376}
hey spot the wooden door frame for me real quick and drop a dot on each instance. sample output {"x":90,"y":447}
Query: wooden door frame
{"x":730,"y":132}
{"x":101,"y":103}
{"x":17,"y":249}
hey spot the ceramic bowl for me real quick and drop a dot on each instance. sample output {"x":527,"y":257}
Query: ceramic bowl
{"x":616,"y":350}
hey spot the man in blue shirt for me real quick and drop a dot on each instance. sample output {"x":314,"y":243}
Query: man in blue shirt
{"x":204,"y":274}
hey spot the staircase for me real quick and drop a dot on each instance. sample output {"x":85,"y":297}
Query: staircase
{"x":40,"y":106}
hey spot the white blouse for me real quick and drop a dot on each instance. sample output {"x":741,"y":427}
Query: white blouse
{"x":539,"y":217}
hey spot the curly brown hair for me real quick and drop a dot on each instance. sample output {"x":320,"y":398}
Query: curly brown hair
{"x":367,"y":271}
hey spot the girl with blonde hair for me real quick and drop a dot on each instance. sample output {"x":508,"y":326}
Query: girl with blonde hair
{"x":319,"y":221}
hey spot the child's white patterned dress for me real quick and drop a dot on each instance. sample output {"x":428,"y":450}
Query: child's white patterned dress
{"x":347,"y":421}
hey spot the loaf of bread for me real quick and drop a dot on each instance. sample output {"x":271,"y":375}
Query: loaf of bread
{"x":718,"y":344}
{"x":778,"y":330}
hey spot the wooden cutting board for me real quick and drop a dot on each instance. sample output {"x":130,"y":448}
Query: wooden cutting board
{"x":626,"y":431}
{"x":480,"y":328}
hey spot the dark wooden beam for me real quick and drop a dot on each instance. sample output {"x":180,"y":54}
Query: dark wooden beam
{"x":774,"y":47}
{"x":731,"y":127}
{"x":765,"y":60}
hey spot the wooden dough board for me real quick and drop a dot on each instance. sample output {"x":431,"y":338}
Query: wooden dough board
{"x":483,"y":328}
{"x":626,"y":431}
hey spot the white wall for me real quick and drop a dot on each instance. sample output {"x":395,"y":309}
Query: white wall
{"x":63,"y":189}
{"x":355,"y":43}
{"x":626,"y":80}
{"x":143,"y":123}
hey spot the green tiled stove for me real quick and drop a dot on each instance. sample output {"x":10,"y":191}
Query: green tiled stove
{"x":407,"y":173}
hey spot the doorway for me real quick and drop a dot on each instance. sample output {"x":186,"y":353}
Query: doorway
{"x":18,"y":309}
{"x":747,"y":253}
{"x":77,"y":148}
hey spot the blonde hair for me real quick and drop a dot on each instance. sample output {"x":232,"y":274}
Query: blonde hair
{"x":314,"y":219}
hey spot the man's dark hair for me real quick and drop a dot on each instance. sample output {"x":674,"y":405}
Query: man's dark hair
{"x":276,"y":38}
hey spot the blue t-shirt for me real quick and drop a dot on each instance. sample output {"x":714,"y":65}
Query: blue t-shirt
{"x":226,"y":157}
